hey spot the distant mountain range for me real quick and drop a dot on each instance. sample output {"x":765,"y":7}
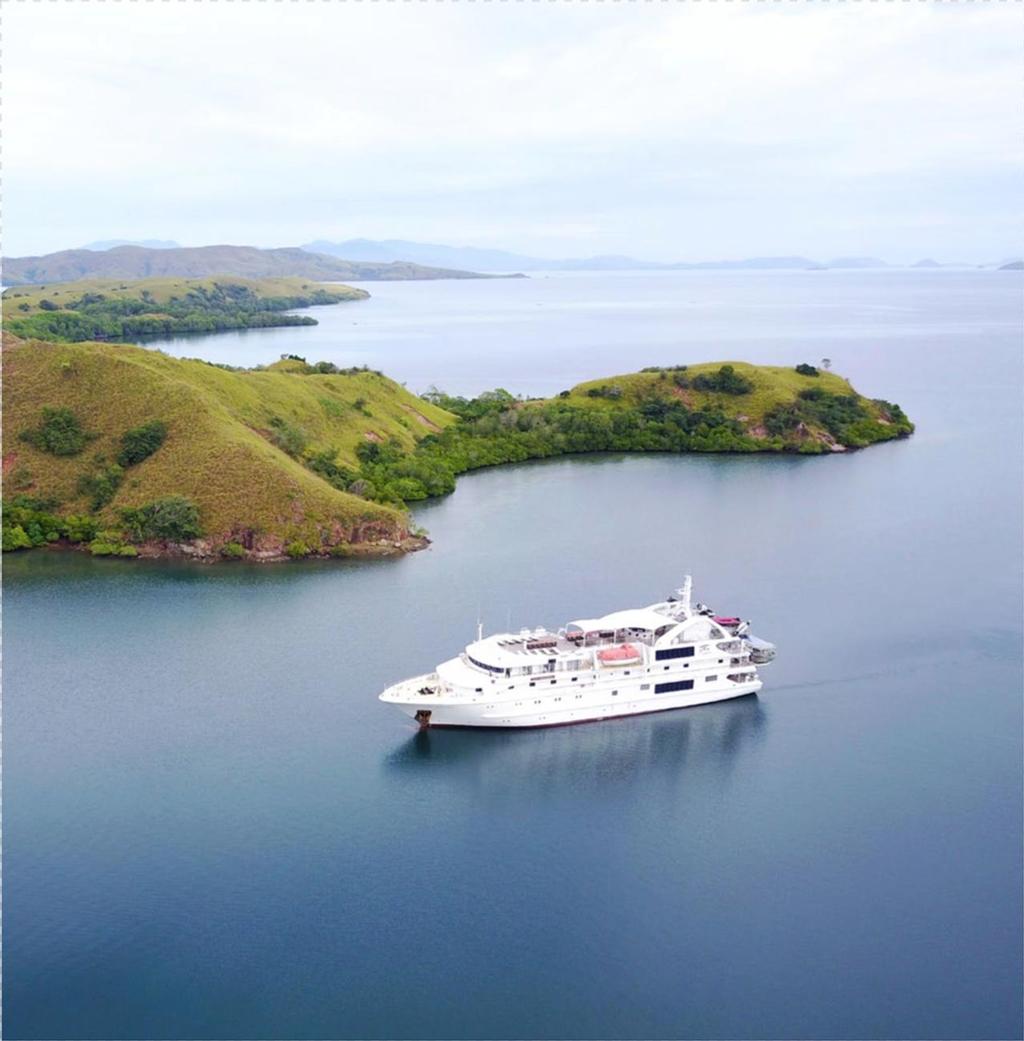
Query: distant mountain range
{"x":367,"y":260}
{"x":499,"y":260}
{"x":495,"y":260}
{"x":131,"y":262}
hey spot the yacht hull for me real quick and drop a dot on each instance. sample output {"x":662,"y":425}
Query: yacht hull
{"x":428,"y":713}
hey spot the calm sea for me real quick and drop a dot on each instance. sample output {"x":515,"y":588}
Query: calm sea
{"x":212,"y":829}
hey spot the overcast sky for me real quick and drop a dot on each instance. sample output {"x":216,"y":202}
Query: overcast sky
{"x":666,"y":131}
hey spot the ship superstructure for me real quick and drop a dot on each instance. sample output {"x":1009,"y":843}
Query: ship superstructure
{"x":671,"y":654}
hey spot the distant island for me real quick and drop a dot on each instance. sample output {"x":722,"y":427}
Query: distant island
{"x":132,"y":262}
{"x":123,"y":451}
{"x":108,"y":309}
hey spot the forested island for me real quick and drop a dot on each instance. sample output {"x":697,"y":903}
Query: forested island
{"x":125,"y":451}
{"x":104,"y":309}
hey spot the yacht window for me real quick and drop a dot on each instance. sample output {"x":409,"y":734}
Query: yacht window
{"x":710,"y":679}
{"x":667,"y":688}
{"x":484,"y":665}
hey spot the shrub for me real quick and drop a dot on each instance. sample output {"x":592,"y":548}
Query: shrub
{"x":109,"y":545}
{"x":171,"y":519}
{"x":726,"y":381}
{"x":289,"y":438}
{"x":343,"y":549}
{"x":59,"y":433}
{"x":781,"y":419}
{"x":297,"y":549}
{"x":835,"y":412}
{"x":80,"y":528}
{"x":232,"y":551}
{"x":102,"y":486}
{"x":15,"y":537}
{"x":324,"y":463}
{"x":806,"y":370}
{"x":48,"y":305}
{"x":604,"y":391}
{"x":20,"y":479}
{"x":141,"y":442}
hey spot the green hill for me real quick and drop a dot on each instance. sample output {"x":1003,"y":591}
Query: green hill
{"x":236,"y":445}
{"x":131,"y":451}
{"x":108,"y":309}
{"x":778,"y":408}
{"x":714,"y":407}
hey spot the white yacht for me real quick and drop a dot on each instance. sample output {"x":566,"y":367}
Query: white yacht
{"x":669,"y":655}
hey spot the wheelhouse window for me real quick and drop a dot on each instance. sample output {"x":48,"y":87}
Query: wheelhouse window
{"x":489,"y":668}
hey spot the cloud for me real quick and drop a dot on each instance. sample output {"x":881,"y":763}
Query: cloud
{"x":675,"y":130}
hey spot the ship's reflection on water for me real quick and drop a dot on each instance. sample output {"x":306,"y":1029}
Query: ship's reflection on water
{"x":673,"y":748}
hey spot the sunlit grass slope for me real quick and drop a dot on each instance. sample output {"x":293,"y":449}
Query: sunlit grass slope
{"x":25,"y":300}
{"x":222,"y":449}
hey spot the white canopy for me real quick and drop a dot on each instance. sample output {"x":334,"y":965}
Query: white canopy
{"x":636,"y":618}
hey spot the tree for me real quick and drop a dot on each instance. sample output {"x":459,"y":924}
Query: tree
{"x":141,"y":442}
{"x":172,"y":519}
{"x":60,"y":433}
{"x":826,"y":363}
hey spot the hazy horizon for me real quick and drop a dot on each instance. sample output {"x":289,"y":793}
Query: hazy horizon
{"x":670,"y":133}
{"x":824,"y":259}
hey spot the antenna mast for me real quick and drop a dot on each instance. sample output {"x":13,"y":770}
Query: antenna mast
{"x":684,"y":593}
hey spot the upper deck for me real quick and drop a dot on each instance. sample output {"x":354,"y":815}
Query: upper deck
{"x":648,"y":626}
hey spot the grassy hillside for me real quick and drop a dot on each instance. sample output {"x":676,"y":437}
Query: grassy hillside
{"x":132,"y":451}
{"x":237,"y":444}
{"x":776,"y":409}
{"x":129,"y":262}
{"x":108,"y":309}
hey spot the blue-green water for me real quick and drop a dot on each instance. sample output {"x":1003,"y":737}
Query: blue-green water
{"x":212,"y":829}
